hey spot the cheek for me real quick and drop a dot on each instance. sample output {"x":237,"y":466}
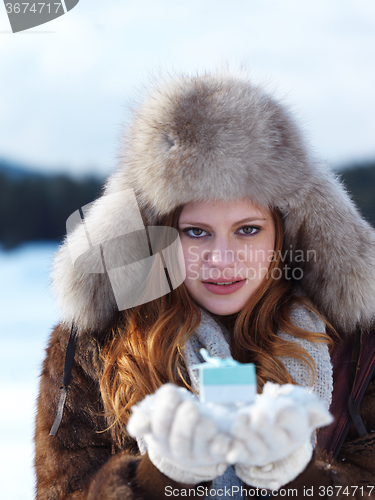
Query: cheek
{"x":261,"y":254}
{"x":192,"y":259}
{"x":193,"y":253}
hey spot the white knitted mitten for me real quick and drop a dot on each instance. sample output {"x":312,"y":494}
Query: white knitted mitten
{"x":183,"y":440}
{"x":275,"y":474}
{"x":272,"y":442}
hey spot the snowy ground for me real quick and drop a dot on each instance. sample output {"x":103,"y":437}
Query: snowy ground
{"x":27,"y":314}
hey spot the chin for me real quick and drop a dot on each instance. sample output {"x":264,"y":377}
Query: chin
{"x":223,"y":309}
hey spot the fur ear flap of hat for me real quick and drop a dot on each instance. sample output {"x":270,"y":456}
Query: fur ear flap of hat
{"x":217,"y":137}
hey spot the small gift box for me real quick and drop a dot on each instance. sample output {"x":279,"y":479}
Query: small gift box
{"x":226,"y":380}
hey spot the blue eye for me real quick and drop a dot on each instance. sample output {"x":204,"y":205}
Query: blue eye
{"x":249,"y":230}
{"x":194,"y":232}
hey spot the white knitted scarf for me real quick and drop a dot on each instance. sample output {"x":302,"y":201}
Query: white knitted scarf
{"x":216,"y":339}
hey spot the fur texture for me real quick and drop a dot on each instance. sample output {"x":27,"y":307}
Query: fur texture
{"x":218,"y":137}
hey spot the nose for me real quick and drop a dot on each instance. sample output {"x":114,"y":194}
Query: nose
{"x":221,"y":255}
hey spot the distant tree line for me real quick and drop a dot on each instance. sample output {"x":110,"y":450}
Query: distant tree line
{"x":360,"y":182}
{"x":35,"y":207}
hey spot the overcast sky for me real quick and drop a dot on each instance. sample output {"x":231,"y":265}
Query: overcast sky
{"x":65,"y":85}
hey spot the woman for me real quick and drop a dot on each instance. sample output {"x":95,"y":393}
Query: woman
{"x":223,"y":164}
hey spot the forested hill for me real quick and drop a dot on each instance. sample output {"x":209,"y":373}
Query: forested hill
{"x":360,"y":182}
{"x":35,"y":207}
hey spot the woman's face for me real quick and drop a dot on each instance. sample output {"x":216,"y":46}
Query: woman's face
{"x":228,"y":247}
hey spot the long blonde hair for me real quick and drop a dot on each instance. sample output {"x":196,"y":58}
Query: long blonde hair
{"x":146,"y":347}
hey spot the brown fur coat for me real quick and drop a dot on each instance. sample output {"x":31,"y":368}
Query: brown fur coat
{"x":85,"y":462}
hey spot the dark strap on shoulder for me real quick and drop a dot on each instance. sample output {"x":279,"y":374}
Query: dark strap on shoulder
{"x":352,"y":405}
{"x":350,"y":364}
{"x":68,"y":365}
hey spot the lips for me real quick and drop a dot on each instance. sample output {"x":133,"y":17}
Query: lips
{"x":222,"y":281}
{"x":224,"y":284}
{"x":223,"y":287}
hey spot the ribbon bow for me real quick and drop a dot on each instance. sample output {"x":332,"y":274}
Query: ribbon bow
{"x":214,"y":362}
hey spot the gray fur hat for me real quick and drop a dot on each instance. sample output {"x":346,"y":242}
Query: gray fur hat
{"x":216,"y":137}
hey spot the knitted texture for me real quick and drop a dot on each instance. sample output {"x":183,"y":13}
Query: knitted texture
{"x":192,"y":442}
{"x":278,"y":473}
{"x":323,"y":383}
{"x":215,"y":338}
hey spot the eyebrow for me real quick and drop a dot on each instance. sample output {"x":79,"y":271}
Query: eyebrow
{"x":247,"y":219}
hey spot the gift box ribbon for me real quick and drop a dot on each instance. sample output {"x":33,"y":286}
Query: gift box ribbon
{"x":217,"y":371}
{"x":214,"y":362}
